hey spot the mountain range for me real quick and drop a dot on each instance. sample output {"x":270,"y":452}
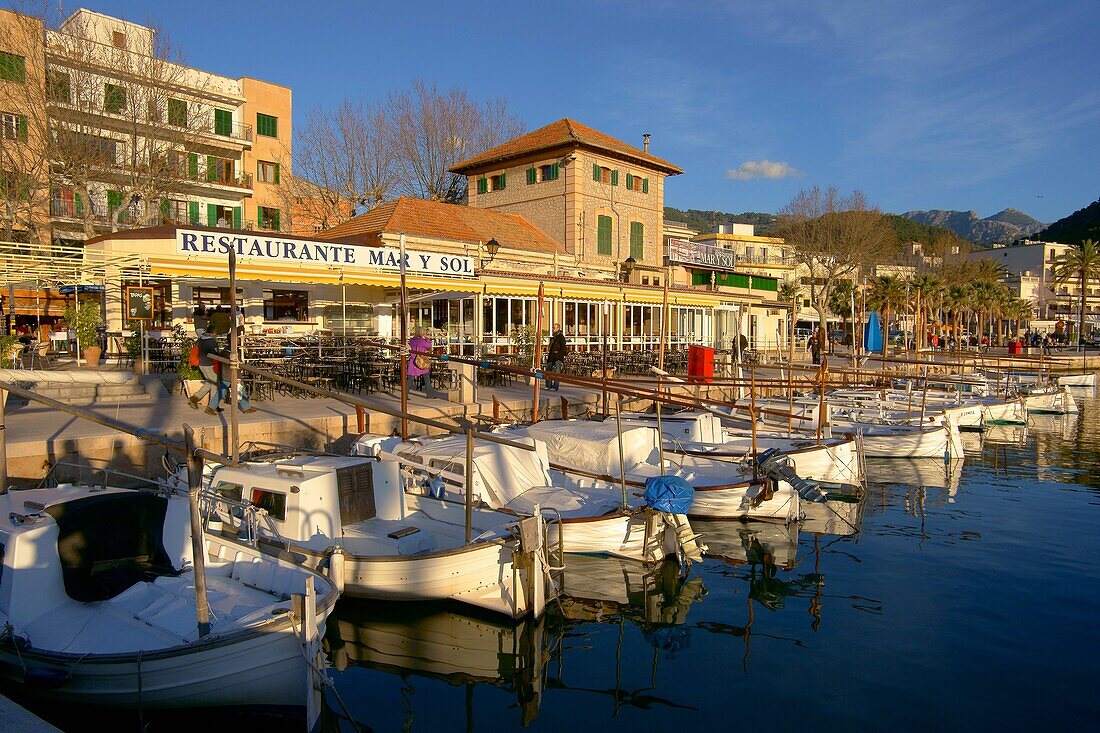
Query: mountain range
{"x":1003,"y":227}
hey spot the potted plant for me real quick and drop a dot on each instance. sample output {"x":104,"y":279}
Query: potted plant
{"x":190,"y":377}
{"x":86,"y":319}
{"x":10,"y":350}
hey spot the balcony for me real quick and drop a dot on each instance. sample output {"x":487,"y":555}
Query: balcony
{"x":133,"y":217}
{"x":201,"y":124}
{"x":238,"y":131}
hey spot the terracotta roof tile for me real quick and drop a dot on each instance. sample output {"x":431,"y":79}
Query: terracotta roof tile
{"x":564,"y":132}
{"x":421,"y":218}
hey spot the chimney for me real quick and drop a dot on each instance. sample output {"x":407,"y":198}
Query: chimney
{"x":645,"y":141}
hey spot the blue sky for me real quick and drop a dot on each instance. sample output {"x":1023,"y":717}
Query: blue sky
{"x":950,"y":105}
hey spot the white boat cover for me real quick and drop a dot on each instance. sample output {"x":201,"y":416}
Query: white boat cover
{"x":594,"y":446}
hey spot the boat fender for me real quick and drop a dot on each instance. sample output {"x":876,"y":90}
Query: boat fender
{"x":336,"y":568}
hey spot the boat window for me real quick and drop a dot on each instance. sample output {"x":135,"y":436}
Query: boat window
{"x":272,"y":502}
{"x":454,"y":467}
{"x":228,"y":490}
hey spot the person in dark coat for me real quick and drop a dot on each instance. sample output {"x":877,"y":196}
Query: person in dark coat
{"x":555,"y":357}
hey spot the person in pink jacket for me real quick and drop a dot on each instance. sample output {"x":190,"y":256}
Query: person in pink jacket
{"x":418,"y":344}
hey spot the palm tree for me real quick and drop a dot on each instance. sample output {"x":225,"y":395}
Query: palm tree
{"x":887,"y":293}
{"x":840,"y":303}
{"x":927,"y":287}
{"x":789,"y":291}
{"x":958,"y":302}
{"x":1081,"y":264}
{"x":984,"y":296}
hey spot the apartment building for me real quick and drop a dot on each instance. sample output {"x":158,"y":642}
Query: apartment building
{"x":109,"y":133}
{"x":1029,"y":273}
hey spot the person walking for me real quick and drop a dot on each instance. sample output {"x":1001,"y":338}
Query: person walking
{"x":215,"y":389}
{"x":420,"y":349}
{"x":815,"y":347}
{"x":555,"y":357}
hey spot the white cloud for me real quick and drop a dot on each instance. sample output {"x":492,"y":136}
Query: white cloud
{"x":763,"y":169}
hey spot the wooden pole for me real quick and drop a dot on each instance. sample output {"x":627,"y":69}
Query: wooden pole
{"x":198,"y":545}
{"x":3,"y":445}
{"x":821,"y":396}
{"x":752,"y":417}
{"x":537,"y":357}
{"x":234,"y":361}
{"x":469,"y":484}
{"x":622,"y":457}
{"x":661,"y":366}
{"x":404,"y":343}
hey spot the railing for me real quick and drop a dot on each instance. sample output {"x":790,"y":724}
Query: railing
{"x":235,"y":130}
{"x":62,"y":209}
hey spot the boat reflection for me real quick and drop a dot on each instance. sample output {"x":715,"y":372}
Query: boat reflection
{"x":597,"y":587}
{"x":735,"y":543}
{"x":443,"y":642}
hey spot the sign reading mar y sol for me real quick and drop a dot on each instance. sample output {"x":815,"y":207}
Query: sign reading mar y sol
{"x":304,"y":252}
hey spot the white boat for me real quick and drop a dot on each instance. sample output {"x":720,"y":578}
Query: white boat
{"x":1087,"y":379}
{"x":354,"y":517}
{"x":98,"y":605}
{"x":700,"y":433}
{"x":1050,"y":399}
{"x":586,"y":453}
{"x":517,"y":482}
{"x":904,"y":441}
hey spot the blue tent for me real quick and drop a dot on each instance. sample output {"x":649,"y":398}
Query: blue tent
{"x":872,"y":333}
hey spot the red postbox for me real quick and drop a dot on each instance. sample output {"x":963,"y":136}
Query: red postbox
{"x":700,"y":363}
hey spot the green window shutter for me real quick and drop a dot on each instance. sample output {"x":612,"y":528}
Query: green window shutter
{"x":21,"y":128}
{"x":193,"y":211}
{"x":177,"y":113}
{"x":267,"y":125}
{"x":595,"y":171}
{"x":164,"y":208}
{"x":553,"y":171}
{"x":603,"y":235}
{"x":236,"y":217}
{"x":211,"y":215}
{"x":275,"y":219}
{"x":78,"y":204}
{"x":482,"y":185}
{"x":532,"y":176}
{"x":614,"y":178}
{"x":211,"y":168}
{"x":114,"y":201}
{"x":503,"y":181}
{"x":114,"y":98}
{"x":629,"y":180}
{"x":193,"y":165}
{"x":645,"y":185}
{"x":276,"y":173}
{"x":12,"y":67}
{"x":637,"y":240}
{"x":223,"y":122}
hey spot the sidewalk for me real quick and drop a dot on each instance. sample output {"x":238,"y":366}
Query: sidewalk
{"x":38,"y":436}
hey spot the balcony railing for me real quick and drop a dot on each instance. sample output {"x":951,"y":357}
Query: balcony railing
{"x":133,"y":218}
{"x":235,"y":130}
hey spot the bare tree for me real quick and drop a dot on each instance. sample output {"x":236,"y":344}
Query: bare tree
{"x":343,"y":165}
{"x":833,"y":236}
{"x":110,"y":127}
{"x":430,"y":131}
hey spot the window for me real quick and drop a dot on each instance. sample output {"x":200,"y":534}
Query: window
{"x":497,"y":182}
{"x":176,"y":211}
{"x":219,"y":216}
{"x":637,"y":240}
{"x":636,"y":183}
{"x":58,"y":86}
{"x":16,"y":186}
{"x":267,"y":172}
{"x":603,"y":174}
{"x":286,"y":305}
{"x":220,"y":170}
{"x":223,"y":122}
{"x":268,"y":218}
{"x":272,"y":502}
{"x":118,"y":38}
{"x":267,"y":125}
{"x":207,"y":298}
{"x":152,"y":111}
{"x":114,"y":98}
{"x":542,"y":173}
{"x":12,"y":67}
{"x":177,"y":113}
{"x":645,"y":280}
{"x":603,"y":235}
{"x":13,"y":126}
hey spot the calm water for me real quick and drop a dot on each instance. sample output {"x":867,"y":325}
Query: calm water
{"x":964,"y":601}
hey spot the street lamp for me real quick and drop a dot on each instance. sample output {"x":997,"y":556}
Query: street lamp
{"x":628,"y":267}
{"x":492,"y":247}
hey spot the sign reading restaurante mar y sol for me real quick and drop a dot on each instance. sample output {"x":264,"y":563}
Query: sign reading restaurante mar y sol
{"x":302,"y":252}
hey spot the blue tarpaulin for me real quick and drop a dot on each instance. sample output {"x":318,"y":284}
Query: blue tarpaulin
{"x":872,"y":333}
{"x":669,"y":494}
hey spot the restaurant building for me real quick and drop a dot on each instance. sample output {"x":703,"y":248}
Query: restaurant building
{"x":564,"y":208}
